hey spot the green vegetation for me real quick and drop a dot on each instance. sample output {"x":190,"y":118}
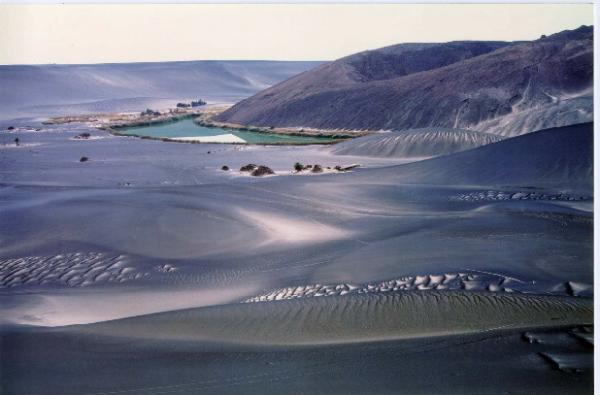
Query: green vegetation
{"x":198,"y":103}
{"x":149,"y":112}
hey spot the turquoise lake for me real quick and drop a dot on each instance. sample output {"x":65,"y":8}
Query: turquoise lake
{"x":187,"y":128}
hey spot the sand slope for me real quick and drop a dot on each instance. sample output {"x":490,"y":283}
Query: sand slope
{"x":354,"y":318}
{"x":559,"y":157}
{"x":414,"y":143}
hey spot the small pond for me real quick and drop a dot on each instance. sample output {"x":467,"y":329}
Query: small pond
{"x":187,"y":130}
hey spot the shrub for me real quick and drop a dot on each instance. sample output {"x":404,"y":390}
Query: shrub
{"x":150,"y":112}
{"x":198,"y":103}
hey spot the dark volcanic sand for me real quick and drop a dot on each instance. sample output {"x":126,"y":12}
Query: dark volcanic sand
{"x":146,"y":226}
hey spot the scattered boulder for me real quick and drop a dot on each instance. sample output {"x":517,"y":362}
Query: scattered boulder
{"x":83,"y":136}
{"x":261,"y":171}
{"x":10,"y":128}
{"x":317,"y":169}
{"x":346,"y":168}
{"x":248,"y":167}
{"x":84,"y":159}
{"x":225,"y":168}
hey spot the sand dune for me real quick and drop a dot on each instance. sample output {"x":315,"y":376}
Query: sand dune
{"x":361,"y":317}
{"x":414,"y":143}
{"x":559,"y":157}
{"x":281,"y":229}
{"x":59,"y":307}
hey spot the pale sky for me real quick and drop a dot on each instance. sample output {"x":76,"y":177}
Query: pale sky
{"x":41,"y":34}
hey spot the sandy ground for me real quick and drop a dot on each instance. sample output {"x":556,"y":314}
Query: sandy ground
{"x":152,"y":227}
{"x":222,"y":138}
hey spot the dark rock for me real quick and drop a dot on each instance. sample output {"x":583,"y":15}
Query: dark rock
{"x":248,"y":167}
{"x":17,"y":141}
{"x":84,"y":159}
{"x":83,"y":136}
{"x":10,"y":128}
{"x":261,"y":171}
{"x":317,"y":169}
{"x":225,"y":168}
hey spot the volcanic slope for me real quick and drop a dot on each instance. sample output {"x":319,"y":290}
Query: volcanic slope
{"x":502,"y":88}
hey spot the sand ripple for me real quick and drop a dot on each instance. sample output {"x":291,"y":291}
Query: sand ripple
{"x":73,"y":269}
{"x":355,"y":318}
{"x":491,"y":195}
{"x":471,"y":281}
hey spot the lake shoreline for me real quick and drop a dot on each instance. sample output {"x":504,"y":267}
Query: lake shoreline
{"x":114,"y":122}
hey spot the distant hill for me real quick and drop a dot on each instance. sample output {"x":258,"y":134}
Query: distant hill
{"x":54,"y":89}
{"x":496,"y":87}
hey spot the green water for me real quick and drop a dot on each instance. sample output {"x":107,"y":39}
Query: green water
{"x":187,"y":128}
